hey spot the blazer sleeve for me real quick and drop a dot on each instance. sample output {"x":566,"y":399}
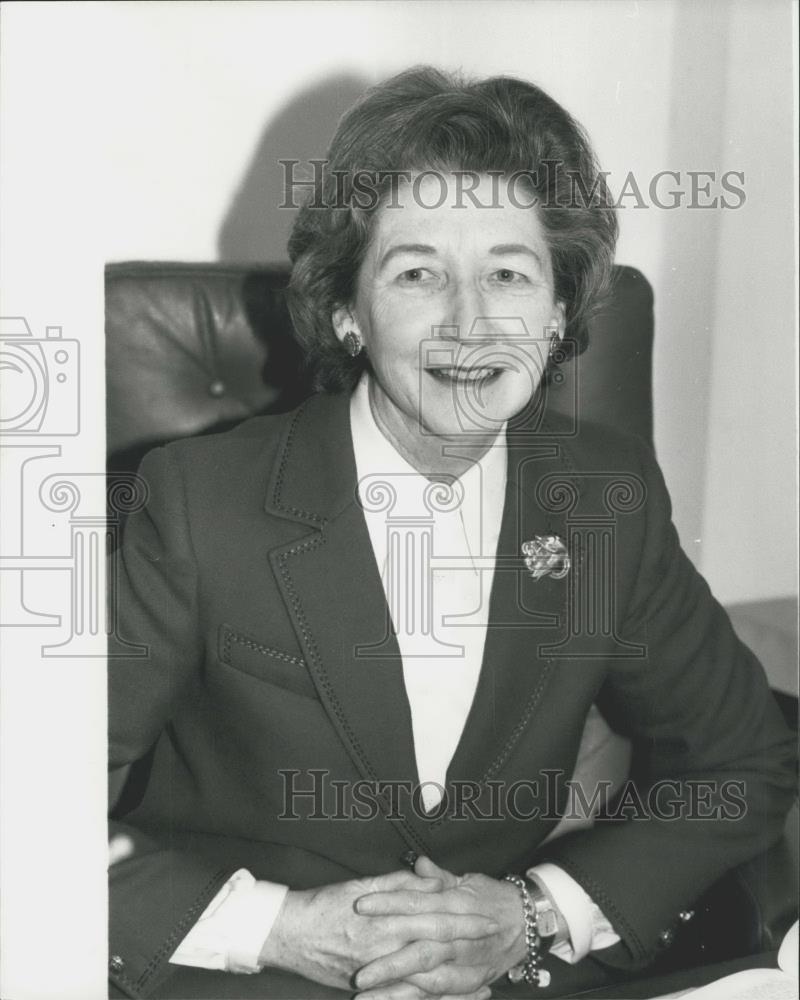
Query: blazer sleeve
{"x":713,"y":773}
{"x":155,"y":893}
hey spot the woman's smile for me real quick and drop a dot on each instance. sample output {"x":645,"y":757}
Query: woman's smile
{"x":466,"y":376}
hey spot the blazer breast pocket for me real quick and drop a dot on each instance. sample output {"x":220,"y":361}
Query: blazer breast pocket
{"x":264,"y":662}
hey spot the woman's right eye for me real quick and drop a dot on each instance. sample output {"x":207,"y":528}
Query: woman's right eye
{"x":414,"y":276}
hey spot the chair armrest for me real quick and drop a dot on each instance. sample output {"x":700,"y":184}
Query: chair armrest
{"x":770,"y":881}
{"x":745,"y":912}
{"x":752,"y":906}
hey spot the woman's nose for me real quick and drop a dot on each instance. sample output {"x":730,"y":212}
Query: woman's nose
{"x":467,"y":313}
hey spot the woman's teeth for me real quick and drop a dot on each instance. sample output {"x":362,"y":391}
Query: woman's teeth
{"x":464,"y":374}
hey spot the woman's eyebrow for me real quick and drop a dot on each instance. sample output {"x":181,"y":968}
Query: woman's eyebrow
{"x":506,"y":249}
{"x":419,"y":248}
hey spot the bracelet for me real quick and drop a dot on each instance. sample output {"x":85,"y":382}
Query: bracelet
{"x":529,"y":971}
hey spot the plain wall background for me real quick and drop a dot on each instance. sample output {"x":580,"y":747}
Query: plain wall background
{"x":187,"y":106}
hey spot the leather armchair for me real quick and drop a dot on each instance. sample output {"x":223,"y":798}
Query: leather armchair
{"x":195,"y":348}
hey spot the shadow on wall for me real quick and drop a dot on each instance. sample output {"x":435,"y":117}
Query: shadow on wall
{"x":255,"y":229}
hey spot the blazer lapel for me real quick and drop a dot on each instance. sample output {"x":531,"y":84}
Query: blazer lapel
{"x":333,"y":592}
{"x":524,"y":616}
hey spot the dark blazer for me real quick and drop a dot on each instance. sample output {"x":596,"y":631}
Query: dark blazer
{"x":249,"y":580}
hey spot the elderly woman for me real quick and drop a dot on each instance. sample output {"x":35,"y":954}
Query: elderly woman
{"x":368,"y":670}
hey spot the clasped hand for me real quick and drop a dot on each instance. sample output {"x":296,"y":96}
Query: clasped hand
{"x":403,"y":936}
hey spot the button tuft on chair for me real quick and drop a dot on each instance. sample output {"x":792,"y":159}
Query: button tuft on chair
{"x":217,"y":388}
{"x":685,"y":916}
{"x":665,"y":938}
{"x":116,"y":964}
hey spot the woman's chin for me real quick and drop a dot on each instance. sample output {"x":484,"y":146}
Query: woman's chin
{"x":479,"y":408}
{"x":466,"y":423}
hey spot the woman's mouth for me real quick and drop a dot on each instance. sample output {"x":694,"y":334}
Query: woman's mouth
{"x":465,"y":376}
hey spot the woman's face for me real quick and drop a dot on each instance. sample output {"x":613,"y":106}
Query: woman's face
{"x":455,"y":308}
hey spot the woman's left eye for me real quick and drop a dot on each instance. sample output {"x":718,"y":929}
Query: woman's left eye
{"x":505,"y":276}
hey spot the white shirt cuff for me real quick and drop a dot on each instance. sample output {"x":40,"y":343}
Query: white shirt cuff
{"x":234,"y":926}
{"x":589,"y":929}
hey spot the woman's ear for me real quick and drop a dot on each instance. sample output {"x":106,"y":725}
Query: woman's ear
{"x":344,"y":322}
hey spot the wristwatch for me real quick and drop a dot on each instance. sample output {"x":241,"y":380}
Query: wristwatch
{"x":545,"y":914}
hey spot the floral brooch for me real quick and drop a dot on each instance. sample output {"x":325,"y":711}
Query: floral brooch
{"x":546,"y":555}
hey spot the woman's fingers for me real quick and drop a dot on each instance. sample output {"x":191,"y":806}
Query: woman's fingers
{"x":410,"y":901}
{"x":426,"y":868}
{"x":449,"y":979}
{"x":426,"y":965}
{"x":443,"y":927}
{"x":397,"y":991}
{"x":404,"y":879}
{"x":421,"y":956}
{"x":426,"y":878}
{"x":408,"y":991}
{"x":427,"y":956}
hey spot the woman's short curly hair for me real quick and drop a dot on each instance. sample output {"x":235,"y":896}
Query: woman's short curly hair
{"x":425,"y":119}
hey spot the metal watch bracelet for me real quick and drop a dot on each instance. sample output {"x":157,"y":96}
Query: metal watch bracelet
{"x":530,"y":970}
{"x":546,"y":914}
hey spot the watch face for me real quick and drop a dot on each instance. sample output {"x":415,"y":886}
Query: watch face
{"x":546,"y":923}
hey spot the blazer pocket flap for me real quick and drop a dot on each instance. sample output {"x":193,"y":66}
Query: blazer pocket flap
{"x":242,"y":652}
